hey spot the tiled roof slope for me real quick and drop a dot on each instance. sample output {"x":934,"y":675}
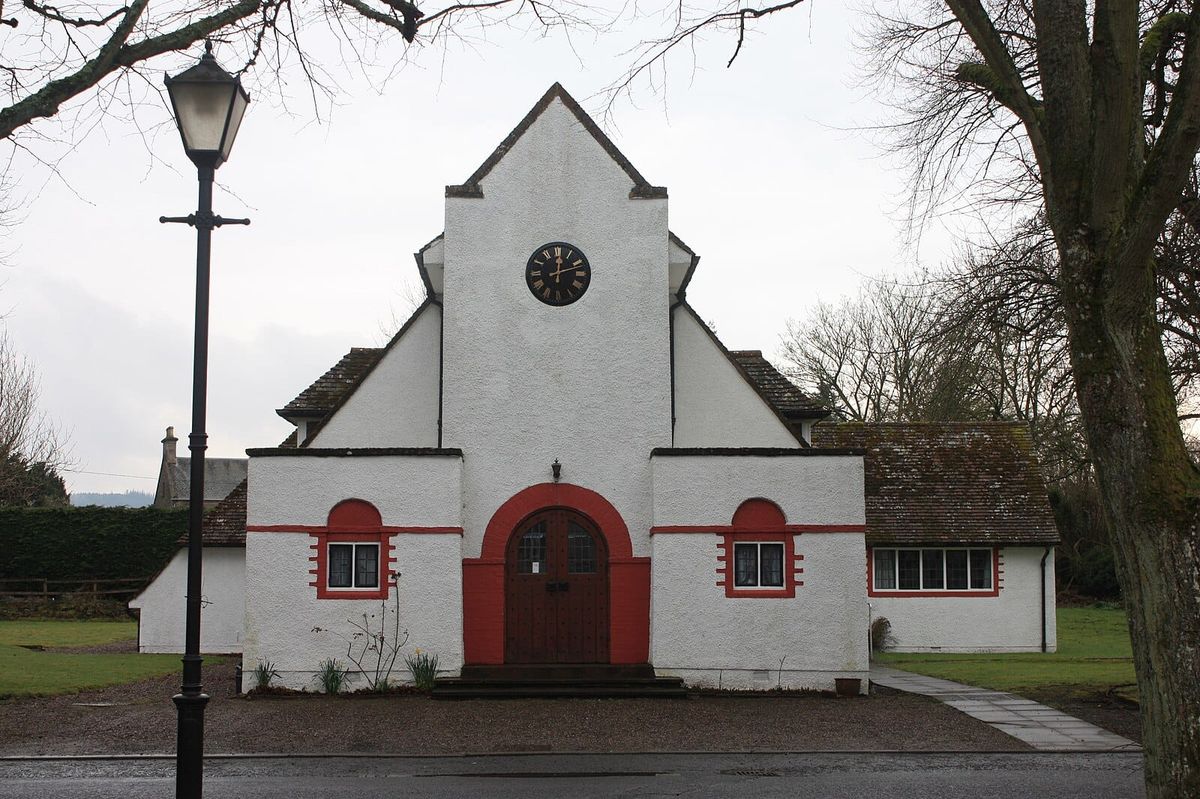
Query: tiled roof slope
{"x":221,"y":475}
{"x":948,"y":482}
{"x":322,"y":395}
{"x":782,"y":393}
{"x":225,"y":524}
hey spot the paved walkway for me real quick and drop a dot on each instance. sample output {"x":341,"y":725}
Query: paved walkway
{"x":1042,"y":727}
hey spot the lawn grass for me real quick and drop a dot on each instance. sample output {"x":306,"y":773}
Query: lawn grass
{"x":63,"y":632}
{"x":1094,"y":655}
{"x":27,"y":672}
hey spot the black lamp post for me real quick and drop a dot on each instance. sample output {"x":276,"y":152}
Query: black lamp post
{"x":208,"y":104}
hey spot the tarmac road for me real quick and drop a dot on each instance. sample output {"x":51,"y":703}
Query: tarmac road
{"x":765,"y":776}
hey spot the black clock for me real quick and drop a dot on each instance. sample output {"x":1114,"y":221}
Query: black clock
{"x":558,"y":273}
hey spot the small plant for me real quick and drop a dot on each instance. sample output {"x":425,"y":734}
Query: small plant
{"x":881,"y":634}
{"x":424,"y":668}
{"x":371,"y":647}
{"x":264,"y":672}
{"x":331,"y":676}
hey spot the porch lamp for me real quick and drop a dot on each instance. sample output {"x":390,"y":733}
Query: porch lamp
{"x":208,"y":104}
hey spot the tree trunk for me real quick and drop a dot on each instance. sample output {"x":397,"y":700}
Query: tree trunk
{"x":1151,"y":497}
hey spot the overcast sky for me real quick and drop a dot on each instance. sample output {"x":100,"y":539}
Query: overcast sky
{"x":771,"y":181}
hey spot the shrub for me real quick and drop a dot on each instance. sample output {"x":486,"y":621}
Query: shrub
{"x":424,"y":668}
{"x":331,"y":676}
{"x":264,"y":672}
{"x":881,"y":634}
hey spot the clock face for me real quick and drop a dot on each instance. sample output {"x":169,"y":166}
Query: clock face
{"x":558,"y":273}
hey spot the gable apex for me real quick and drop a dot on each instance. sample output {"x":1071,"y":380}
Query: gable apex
{"x":641,"y":189}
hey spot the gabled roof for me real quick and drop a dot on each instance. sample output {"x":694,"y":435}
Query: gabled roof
{"x":319,"y":398}
{"x":221,"y":475}
{"x":641,"y":187}
{"x":948,"y":482}
{"x":791,"y":402}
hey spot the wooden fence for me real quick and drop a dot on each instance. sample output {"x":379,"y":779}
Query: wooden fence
{"x":35,"y":588}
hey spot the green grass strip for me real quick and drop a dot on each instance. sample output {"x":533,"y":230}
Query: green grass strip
{"x":1093,"y":654}
{"x":25,"y":672}
{"x":59,"y":632}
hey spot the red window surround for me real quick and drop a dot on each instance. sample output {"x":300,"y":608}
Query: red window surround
{"x":994,"y":591}
{"x":358,"y":522}
{"x":760,"y":520}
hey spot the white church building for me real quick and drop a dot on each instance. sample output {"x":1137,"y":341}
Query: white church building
{"x":555,"y":461}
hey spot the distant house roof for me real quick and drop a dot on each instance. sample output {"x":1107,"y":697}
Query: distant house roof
{"x":793,"y":403}
{"x":225,"y":524}
{"x":319,"y":398}
{"x":948,"y":482}
{"x":221,"y":475}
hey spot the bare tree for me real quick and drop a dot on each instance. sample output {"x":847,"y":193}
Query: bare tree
{"x":877,"y":358}
{"x":963,"y":345}
{"x":1095,"y":109}
{"x":55,"y":56}
{"x":32,"y":449}
{"x":1092,"y":110}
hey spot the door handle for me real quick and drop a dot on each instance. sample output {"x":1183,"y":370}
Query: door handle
{"x":552,"y":587}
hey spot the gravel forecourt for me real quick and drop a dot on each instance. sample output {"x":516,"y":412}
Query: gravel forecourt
{"x":140,"y":719}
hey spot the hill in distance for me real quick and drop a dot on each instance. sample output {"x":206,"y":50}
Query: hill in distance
{"x":128,"y":499}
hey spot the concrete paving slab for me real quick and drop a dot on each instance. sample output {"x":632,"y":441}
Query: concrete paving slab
{"x":1042,"y":727}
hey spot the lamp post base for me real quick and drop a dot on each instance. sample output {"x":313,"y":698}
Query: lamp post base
{"x":189,"y":757}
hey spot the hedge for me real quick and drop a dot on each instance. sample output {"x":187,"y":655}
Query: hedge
{"x":87,"y":543}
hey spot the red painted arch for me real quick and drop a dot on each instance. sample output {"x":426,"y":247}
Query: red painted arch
{"x":556,"y":495}
{"x":483,"y":577}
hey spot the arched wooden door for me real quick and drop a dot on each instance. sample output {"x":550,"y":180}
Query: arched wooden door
{"x":556,"y":591}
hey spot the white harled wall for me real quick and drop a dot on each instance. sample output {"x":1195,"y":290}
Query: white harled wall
{"x":526,"y":383}
{"x":162,"y":605}
{"x":714,"y":405}
{"x":397,"y":404}
{"x":1009,"y":622}
{"x":282,"y":609}
{"x":709,"y":639}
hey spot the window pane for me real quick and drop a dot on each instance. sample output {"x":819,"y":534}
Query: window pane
{"x":581,"y":550}
{"x":910,"y":569}
{"x":341,"y":558}
{"x":745,"y":558}
{"x":981,"y":568}
{"x":885,"y":568}
{"x":956,"y":569}
{"x":366,"y":566}
{"x":531,"y":552}
{"x":931,"y":568}
{"x":771,"y":557}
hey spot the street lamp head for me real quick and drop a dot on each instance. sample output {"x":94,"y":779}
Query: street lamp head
{"x":208,"y":103}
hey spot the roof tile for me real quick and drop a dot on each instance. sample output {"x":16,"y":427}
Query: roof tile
{"x":793,"y":403}
{"x":948,"y":482}
{"x":319,"y":398}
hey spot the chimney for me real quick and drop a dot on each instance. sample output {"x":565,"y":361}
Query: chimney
{"x":169,"y":446}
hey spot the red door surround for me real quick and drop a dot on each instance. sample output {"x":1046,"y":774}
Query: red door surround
{"x":484,"y":577}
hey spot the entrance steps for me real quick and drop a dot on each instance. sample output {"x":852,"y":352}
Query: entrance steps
{"x":594,"y":681}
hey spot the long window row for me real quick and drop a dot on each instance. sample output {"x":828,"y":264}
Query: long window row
{"x":932,"y":569}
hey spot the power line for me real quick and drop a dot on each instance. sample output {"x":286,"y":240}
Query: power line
{"x":111,"y":474}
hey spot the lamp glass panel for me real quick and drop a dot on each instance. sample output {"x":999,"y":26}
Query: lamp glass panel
{"x":240,"y":101}
{"x":202,"y":109}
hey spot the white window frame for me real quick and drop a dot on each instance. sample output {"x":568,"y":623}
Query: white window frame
{"x":991,"y":562}
{"x":758,"y":585}
{"x":354,"y":586}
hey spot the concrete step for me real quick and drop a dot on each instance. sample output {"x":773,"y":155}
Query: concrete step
{"x":549,"y":687}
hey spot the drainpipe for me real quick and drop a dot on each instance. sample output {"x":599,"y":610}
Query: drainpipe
{"x":671,"y":331}
{"x":1045,"y":555}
